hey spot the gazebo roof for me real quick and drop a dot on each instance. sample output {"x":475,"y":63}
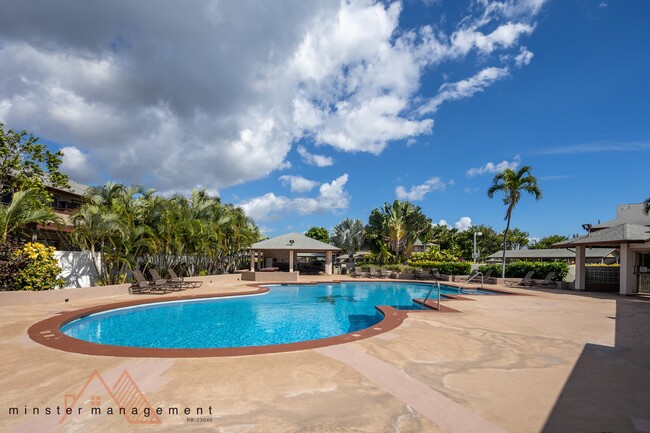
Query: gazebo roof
{"x":610,"y":236}
{"x":293,"y":241}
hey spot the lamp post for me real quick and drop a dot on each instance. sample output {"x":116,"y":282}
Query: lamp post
{"x":475,"y":253}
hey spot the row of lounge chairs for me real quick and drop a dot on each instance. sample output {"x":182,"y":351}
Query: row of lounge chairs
{"x":407,"y":274}
{"x":528,"y":281}
{"x":160,"y":285}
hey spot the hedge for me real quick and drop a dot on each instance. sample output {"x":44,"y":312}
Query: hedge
{"x":519,"y":269}
{"x":447,"y":268}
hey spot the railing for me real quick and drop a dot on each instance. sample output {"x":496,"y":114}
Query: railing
{"x":469,"y":280}
{"x":424,"y":303}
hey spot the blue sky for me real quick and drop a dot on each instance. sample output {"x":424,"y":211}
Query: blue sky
{"x":308,"y":114}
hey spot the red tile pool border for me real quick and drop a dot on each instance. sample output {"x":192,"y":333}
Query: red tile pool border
{"x":48,"y":332}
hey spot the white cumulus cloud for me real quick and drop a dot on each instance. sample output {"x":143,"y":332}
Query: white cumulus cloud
{"x":77,"y":165}
{"x":463,"y":223}
{"x":417,"y":192}
{"x":298,"y":183}
{"x":331,"y":197}
{"x":314,"y":159}
{"x":491,"y":167}
{"x":219,"y":93}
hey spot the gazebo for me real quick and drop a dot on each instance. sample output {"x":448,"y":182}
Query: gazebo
{"x":630,"y":233}
{"x":277,"y":258}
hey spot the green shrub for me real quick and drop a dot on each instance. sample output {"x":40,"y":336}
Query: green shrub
{"x":447,"y":268}
{"x":11,"y":264}
{"x":519,"y":269}
{"x":42,"y":268}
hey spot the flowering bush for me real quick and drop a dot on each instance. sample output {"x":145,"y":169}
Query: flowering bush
{"x":41,"y":270}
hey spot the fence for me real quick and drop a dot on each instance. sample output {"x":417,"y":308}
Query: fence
{"x":77,"y":268}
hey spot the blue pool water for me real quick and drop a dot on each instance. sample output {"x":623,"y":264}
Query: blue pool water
{"x":287,"y":314}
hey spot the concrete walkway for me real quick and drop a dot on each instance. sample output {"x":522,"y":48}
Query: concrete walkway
{"x":552,"y":362}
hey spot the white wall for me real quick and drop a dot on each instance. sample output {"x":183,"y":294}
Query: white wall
{"x":76,"y":268}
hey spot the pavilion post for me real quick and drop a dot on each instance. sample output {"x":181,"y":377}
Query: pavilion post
{"x":581,"y":272}
{"x":252,"y":261}
{"x":627,"y":277}
{"x":328,"y":262}
{"x":290,"y":260}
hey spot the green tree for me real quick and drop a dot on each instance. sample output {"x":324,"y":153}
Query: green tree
{"x":512,"y":184}
{"x":487,"y":243}
{"x":27,"y":164}
{"x":318,"y":233}
{"x":349,"y":235}
{"x":646,"y":206}
{"x":517,"y":239}
{"x":547,"y":242}
{"x":398,"y":224}
{"x":22,"y":212}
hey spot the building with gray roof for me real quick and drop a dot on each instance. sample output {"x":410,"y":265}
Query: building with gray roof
{"x":630,"y":234}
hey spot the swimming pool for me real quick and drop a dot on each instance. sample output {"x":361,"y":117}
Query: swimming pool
{"x":286,"y":314}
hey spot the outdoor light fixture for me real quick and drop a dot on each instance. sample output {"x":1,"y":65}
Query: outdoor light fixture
{"x":587,"y":227}
{"x":290,"y":241}
{"x":475,"y":253}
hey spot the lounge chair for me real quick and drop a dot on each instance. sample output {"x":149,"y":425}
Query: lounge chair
{"x":420,"y":274}
{"x":373,"y":272}
{"x":527,"y":281}
{"x":435,"y":274}
{"x":142,"y":285}
{"x":407,"y":274}
{"x":488,"y":278}
{"x":157,"y":279}
{"x":548,"y":281}
{"x":471,"y":276}
{"x":384,"y":273}
{"x":174,"y":278}
{"x":357,"y":272}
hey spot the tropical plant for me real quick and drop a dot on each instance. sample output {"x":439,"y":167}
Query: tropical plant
{"x":512,"y":184}
{"x":125,"y":228}
{"x":398,"y":225}
{"x":318,"y":233}
{"x":517,"y":239}
{"x":349,"y":235}
{"x":11,"y":263}
{"x":22,"y":211}
{"x":26,"y":164}
{"x":487,"y":243}
{"x":519,"y":268}
{"x":41,"y":270}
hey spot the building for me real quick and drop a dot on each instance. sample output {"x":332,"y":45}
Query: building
{"x":64,"y":202}
{"x":279,"y":258}
{"x":607,"y":255}
{"x":630,"y":234}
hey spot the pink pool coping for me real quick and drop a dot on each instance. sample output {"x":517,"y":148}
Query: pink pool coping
{"x":48,"y":331}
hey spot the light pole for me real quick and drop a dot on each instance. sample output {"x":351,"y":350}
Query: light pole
{"x":475,"y":253}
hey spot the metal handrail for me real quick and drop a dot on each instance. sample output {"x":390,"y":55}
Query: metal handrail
{"x":424,"y":303}
{"x":470,"y":279}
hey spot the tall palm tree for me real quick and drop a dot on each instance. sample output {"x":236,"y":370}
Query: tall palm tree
{"x":24,"y":209}
{"x":513,"y":184}
{"x":348,"y":235}
{"x":395,"y":228}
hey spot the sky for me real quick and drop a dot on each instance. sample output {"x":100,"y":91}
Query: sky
{"x":306,"y":113}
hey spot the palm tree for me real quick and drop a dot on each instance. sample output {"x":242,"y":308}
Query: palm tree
{"x":24,"y":209}
{"x":513,"y":184}
{"x":395,"y":228}
{"x":348,"y":235}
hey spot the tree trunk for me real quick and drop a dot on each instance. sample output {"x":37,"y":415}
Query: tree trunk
{"x":503,"y":258}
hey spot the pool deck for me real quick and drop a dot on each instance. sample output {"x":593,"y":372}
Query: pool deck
{"x":553,"y":361}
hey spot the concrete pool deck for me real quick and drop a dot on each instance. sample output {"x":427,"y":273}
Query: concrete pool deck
{"x":552,"y":362}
